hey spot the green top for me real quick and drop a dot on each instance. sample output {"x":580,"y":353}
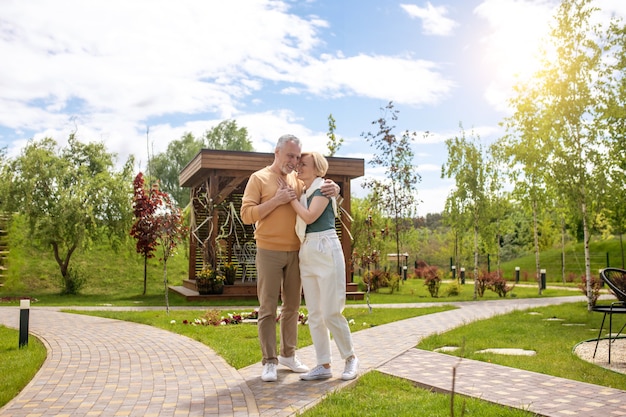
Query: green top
{"x":326,"y":220}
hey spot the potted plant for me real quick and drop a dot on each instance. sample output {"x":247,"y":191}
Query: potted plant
{"x":210,"y":281}
{"x":230,"y":270}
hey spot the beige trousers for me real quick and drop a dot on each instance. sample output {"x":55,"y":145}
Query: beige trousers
{"x":278,"y":275}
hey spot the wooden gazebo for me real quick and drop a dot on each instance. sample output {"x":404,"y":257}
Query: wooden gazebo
{"x":217,"y":180}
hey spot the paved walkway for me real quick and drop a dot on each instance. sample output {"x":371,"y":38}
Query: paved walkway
{"x":102,"y":367}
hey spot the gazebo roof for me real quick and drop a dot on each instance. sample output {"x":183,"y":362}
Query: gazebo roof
{"x":211,"y":162}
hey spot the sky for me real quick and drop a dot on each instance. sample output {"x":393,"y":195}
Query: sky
{"x":138,"y":74}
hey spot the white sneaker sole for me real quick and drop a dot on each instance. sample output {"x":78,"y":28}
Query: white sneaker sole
{"x":315,"y":378}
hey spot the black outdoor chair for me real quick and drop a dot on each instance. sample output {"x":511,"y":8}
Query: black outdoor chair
{"x":615,"y":279}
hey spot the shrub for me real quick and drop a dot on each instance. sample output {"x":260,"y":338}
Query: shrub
{"x":492,"y":281}
{"x":394,"y":282}
{"x":596,"y":284}
{"x":482,"y":282}
{"x":72,"y":282}
{"x":500,"y":286}
{"x":453,"y":289}
{"x":376,"y":278}
{"x":433,"y":282}
{"x":424,"y":270}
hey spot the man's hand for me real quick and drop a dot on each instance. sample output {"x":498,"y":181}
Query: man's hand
{"x":285,"y":193}
{"x":329,"y":188}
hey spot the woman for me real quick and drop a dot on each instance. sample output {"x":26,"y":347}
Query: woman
{"x":322,"y":269}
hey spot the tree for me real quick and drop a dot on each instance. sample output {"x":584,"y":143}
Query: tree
{"x":577,"y":105}
{"x":166,"y":166}
{"x":525,"y":147}
{"x":228,"y":137}
{"x":70,"y":197}
{"x":613,"y":108}
{"x":170,"y":232}
{"x":334,"y":142}
{"x":569,"y":95}
{"x":367,"y":219}
{"x":144,"y":229}
{"x":471,"y":170}
{"x":395,"y":194}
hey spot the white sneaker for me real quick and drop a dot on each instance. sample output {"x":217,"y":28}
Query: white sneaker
{"x":269,"y":372}
{"x":351,"y":370}
{"x":293,"y":363}
{"x":319,"y":372}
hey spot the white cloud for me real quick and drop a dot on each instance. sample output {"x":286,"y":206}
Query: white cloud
{"x":434,"y":20}
{"x":112,"y":68}
{"x":407,"y":81}
{"x":143,"y":58}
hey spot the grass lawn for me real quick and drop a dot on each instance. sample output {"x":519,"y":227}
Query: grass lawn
{"x":410,"y":291}
{"x":414,"y":291}
{"x":17,"y":365}
{"x":376,"y":394}
{"x":552,"y":332}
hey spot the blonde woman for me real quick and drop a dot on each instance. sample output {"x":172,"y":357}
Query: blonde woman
{"x":322,"y":270}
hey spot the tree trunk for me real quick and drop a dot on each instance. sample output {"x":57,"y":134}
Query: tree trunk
{"x":475,"y":261}
{"x":563,"y":249}
{"x":536,"y":242}
{"x":167,"y":300}
{"x":621,"y":246}
{"x":587,"y":258}
{"x":145,"y":273}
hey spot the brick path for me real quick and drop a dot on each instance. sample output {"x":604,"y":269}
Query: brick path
{"x":102,"y":367}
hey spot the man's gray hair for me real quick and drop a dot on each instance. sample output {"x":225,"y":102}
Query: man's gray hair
{"x":288,"y":138}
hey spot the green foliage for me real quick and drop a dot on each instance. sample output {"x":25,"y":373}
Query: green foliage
{"x":69,"y":197}
{"x":395,"y":195}
{"x":433,"y":283}
{"x":471,"y":204}
{"x":367,"y":242}
{"x":561,"y":116}
{"x":334,"y":142}
{"x":228,"y":137}
{"x":431,"y":276}
{"x":376,"y":278}
{"x":72,"y":283}
{"x":166,"y":166}
{"x":112,"y":276}
{"x":603,"y":254}
{"x":453,"y":289}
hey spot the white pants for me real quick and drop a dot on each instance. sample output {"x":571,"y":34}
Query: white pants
{"x":322,"y":270}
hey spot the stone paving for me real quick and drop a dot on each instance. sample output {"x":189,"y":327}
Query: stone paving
{"x":103,"y":367}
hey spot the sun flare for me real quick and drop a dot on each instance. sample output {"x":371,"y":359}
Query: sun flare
{"x":514,"y":47}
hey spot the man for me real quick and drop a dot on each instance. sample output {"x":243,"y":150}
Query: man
{"x":266,"y":203}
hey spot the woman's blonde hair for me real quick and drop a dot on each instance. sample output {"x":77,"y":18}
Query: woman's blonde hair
{"x":320,"y":164}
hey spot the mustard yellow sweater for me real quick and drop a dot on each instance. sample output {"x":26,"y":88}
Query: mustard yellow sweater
{"x":277,"y":230}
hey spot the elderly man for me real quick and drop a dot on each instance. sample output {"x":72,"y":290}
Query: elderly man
{"x":266,"y":204}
